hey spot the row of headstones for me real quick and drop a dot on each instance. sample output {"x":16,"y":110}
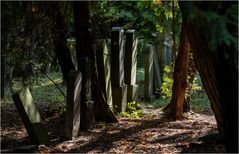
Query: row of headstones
{"x":117,"y":75}
{"x":118,"y":83}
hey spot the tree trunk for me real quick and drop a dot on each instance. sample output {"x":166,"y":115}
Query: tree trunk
{"x":190,"y":77}
{"x":59,"y":32}
{"x":217,"y":65}
{"x":180,"y":77}
{"x":85,"y":50}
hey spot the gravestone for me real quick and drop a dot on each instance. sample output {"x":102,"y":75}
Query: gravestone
{"x":72,"y":122}
{"x":88,"y":111}
{"x":167,"y":54}
{"x":103,"y":67}
{"x":119,"y":89}
{"x":157,"y":73}
{"x":130,"y":65}
{"x":30,"y":117}
{"x":148,"y":74}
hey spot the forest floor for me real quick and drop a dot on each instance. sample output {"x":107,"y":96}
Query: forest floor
{"x":151,"y":134}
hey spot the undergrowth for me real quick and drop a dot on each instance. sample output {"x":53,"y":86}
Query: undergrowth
{"x":132,"y":111}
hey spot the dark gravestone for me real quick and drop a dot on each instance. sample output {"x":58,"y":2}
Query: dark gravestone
{"x":72,"y":122}
{"x":103,"y":67}
{"x":157,"y":72}
{"x":117,"y":59}
{"x":85,"y":65}
{"x":130,"y":65}
{"x":167,"y":54}
{"x":148,"y":74}
{"x":119,"y":89}
{"x":89,"y":115}
{"x":30,"y":117}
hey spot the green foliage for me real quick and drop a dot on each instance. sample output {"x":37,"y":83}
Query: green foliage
{"x":132,"y":111}
{"x":167,"y":85}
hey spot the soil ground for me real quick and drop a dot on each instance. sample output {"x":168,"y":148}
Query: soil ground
{"x":151,"y":134}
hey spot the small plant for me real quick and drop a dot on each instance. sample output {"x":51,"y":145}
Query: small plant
{"x":132,"y":111}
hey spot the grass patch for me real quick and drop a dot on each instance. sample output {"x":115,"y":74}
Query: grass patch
{"x":199,"y":101}
{"x":157,"y":103}
{"x":46,"y":91}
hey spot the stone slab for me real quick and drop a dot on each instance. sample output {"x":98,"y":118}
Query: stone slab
{"x":119,"y":98}
{"x":130,"y":62}
{"x":167,"y":54}
{"x":30,"y":117}
{"x":148,"y":73}
{"x":72,"y":122}
{"x":117,"y":56}
{"x":103,"y":67}
{"x":157,"y":73}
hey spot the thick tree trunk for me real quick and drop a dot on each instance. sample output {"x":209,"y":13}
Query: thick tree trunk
{"x":180,"y":77}
{"x":85,"y":51}
{"x":59,"y":32}
{"x":217,"y":65}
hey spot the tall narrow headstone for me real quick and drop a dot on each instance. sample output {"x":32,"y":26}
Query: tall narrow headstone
{"x":157,"y":72}
{"x":148,"y":74}
{"x":72,"y":122}
{"x":103,"y":67}
{"x":167,"y":54}
{"x":119,"y":89}
{"x":130,"y":65}
{"x":30,"y":117}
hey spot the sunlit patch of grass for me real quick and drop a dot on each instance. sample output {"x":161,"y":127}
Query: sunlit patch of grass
{"x":42,"y":90}
{"x":46,"y":91}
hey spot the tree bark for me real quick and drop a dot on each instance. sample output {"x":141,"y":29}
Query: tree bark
{"x":217,"y":65}
{"x":59,"y":32}
{"x":85,"y":51}
{"x":180,"y":77}
{"x":190,"y":77}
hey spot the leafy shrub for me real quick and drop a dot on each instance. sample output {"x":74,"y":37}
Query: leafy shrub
{"x":132,"y":111}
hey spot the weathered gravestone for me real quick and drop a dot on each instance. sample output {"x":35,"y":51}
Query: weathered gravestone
{"x":130,"y":65}
{"x":119,"y":89}
{"x":167,"y":54}
{"x":148,"y":74}
{"x":103,"y":67}
{"x":72,"y":122}
{"x":30,"y":117}
{"x":157,"y":73}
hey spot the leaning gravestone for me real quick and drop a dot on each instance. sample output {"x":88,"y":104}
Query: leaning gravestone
{"x":72,"y":122}
{"x":157,"y":72}
{"x":148,"y":74}
{"x":130,"y":65}
{"x":30,"y":116}
{"x":119,"y":89}
{"x":103,"y":67}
